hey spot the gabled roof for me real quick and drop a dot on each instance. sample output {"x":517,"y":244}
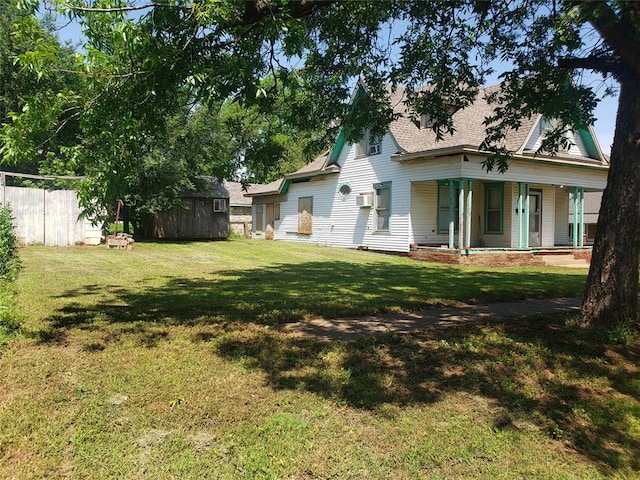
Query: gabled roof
{"x":470,"y":131}
{"x":414,"y":142}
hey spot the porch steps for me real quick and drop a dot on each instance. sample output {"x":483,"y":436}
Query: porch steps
{"x":561,"y":260}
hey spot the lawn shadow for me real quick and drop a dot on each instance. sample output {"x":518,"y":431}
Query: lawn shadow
{"x":287,"y":293}
{"x":533,"y":370}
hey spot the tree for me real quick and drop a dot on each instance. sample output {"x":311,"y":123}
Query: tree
{"x":143,"y":54}
{"x":32,"y":92}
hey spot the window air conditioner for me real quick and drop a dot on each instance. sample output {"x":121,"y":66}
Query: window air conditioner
{"x":365,"y":200}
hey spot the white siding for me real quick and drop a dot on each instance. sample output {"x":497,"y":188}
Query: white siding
{"x":338,"y":221}
{"x":577,"y":145}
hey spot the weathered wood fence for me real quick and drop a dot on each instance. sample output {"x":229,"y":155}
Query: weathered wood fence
{"x":48,"y":217}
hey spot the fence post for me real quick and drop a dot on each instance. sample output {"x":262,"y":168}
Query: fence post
{"x":3,"y":182}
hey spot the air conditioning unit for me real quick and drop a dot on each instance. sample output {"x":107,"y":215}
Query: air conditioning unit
{"x":364,"y":200}
{"x":374,"y":149}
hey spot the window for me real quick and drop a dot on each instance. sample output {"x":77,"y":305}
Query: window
{"x":493,"y":208}
{"x":369,"y":145}
{"x":305,"y":215}
{"x":276,"y":211}
{"x":443,"y":206}
{"x":344,"y":190}
{"x":219,"y":205}
{"x":383,"y":207}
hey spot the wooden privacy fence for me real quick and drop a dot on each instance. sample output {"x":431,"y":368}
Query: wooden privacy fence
{"x":48,"y":217}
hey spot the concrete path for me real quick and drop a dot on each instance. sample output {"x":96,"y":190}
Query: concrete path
{"x":323,"y":329}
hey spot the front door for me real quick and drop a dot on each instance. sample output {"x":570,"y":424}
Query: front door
{"x":535,"y":218}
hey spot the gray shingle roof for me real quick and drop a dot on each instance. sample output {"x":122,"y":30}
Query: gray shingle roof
{"x":468,"y":124}
{"x":236,"y":194}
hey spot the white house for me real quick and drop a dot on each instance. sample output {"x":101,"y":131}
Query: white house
{"x":408,"y":192}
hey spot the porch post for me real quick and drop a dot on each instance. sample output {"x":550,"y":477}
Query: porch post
{"x":526,"y":215}
{"x":467,"y":222}
{"x":462,"y":225}
{"x":520,"y":215}
{"x":452,"y":221}
{"x":581,"y":225}
{"x":575,"y":217}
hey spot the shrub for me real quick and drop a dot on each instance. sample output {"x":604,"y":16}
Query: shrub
{"x":9,"y":261}
{"x":10,"y":316}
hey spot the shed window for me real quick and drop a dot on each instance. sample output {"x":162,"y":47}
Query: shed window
{"x":493,"y":208}
{"x":219,"y":205}
{"x":305,"y":215}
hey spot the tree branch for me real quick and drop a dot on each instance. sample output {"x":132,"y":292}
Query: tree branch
{"x":599,"y":64}
{"x":616,"y":31}
{"x":256,"y":10}
{"x":146,"y":6}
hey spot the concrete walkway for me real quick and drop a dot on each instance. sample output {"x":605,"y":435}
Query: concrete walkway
{"x":323,"y":329}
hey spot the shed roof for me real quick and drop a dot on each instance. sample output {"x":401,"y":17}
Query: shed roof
{"x":208,"y":187}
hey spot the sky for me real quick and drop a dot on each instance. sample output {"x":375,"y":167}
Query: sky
{"x":605,"y":112}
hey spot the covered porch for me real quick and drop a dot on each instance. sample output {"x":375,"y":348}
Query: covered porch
{"x":477,"y":216}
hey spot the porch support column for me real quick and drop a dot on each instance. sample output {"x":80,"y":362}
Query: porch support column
{"x":452,"y":211}
{"x":526,"y":215}
{"x":581,"y":213}
{"x":462,"y":225}
{"x":576,"y":233}
{"x":520,"y":215}
{"x":467,"y":216}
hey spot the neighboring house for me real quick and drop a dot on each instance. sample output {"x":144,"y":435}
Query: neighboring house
{"x":407,"y":191}
{"x":204,"y":215}
{"x":239,"y":209}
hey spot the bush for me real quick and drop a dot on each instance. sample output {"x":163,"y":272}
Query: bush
{"x":10,"y":316}
{"x":9,"y":261}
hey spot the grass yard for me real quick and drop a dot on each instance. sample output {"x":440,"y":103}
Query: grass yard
{"x":167,"y":361}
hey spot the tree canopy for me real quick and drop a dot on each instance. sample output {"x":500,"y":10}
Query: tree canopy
{"x":141,"y":60}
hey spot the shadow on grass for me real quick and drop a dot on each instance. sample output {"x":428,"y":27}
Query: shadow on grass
{"x":576,"y":388}
{"x":288,"y":293}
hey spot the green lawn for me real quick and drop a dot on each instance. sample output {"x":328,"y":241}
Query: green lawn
{"x":168,"y":361}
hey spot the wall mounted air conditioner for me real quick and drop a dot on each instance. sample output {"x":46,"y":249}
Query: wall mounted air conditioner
{"x":364,"y":200}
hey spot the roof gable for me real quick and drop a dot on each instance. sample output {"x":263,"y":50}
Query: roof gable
{"x":583,"y":141}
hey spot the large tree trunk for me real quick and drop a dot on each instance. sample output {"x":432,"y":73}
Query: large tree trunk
{"x":610,"y":297}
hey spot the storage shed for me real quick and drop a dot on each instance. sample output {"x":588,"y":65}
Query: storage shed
{"x":204,"y":215}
